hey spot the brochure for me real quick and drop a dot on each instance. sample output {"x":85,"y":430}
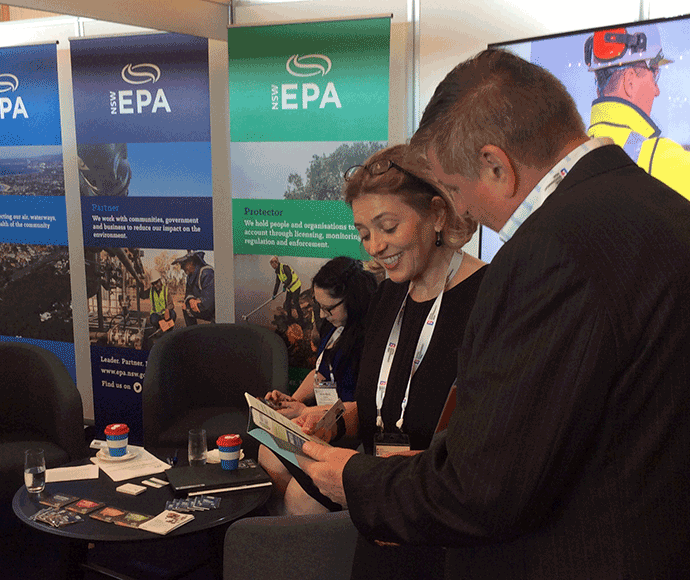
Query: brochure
{"x":279,"y":434}
{"x":166,"y":522}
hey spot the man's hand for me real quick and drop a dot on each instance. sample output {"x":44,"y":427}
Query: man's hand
{"x":194,"y":304}
{"x":326,"y":468}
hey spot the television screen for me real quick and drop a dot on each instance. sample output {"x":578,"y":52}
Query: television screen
{"x":630,"y":82}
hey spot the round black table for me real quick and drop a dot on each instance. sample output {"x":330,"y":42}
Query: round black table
{"x":234,"y":505}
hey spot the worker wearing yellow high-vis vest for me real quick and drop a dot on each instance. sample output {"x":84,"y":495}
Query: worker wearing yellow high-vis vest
{"x":626,"y":62}
{"x":162,"y":308}
{"x":292,"y":286}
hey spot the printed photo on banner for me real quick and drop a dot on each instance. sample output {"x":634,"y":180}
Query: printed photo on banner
{"x":32,"y":170}
{"x":292,"y":211}
{"x":177,"y":169}
{"x":289,"y":311}
{"x":276,"y":292}
{"x":136,"y":295}
{"x":35,"y":293}
{"x":274,"y":185}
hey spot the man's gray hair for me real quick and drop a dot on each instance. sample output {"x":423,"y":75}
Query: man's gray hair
{"x":497,"y":98}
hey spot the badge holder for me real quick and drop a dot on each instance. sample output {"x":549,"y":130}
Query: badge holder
{"x":326,"y":393}
{"x":388,"y":443}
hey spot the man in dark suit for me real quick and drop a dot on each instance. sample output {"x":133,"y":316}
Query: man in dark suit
{"x":568,"y":453}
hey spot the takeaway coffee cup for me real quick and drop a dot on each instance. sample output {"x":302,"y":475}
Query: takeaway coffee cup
{"x":117,"y":435}
{"x":229,"y":450}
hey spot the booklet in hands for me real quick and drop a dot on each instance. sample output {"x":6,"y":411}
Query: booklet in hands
{"x":279,"y":434}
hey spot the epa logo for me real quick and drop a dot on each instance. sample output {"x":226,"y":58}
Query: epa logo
{"x":308,"y":65}
{"x":11,"y":108}
{"x":289,"y":96}
{"x":140,"y":74}
{"x":137,"y":101}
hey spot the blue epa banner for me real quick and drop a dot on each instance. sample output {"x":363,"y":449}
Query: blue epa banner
{"x":29,"y":219}
{"x":148,"y":222}
{"x":149,"y":88}
{"x":118,"y":378}
{"x":29,"y":101}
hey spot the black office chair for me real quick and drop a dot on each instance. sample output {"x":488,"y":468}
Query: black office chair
{"x":315,"y":547}
{"x":197,"y":377}
{"x":40,"y":406}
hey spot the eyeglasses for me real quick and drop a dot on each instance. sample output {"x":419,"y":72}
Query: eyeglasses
{"x":329,"y":310}
{"x":374,"y":169}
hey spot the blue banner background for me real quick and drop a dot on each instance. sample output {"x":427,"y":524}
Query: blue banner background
{"x":63,"y":350}
{"x":35,"y":69}
{"x":97,"y":77}
{"x":125,"y":211}
{"x":118,"y":376}
{"x":23,"y":209}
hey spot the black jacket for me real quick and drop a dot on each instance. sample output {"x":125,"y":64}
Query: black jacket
{"x":568,"y":455}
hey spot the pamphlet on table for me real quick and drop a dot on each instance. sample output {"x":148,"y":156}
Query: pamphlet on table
{"x":137,"y":463}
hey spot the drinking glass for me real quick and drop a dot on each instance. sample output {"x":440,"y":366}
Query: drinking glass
{"x":34,"y":470}
{"x":197,"y":449}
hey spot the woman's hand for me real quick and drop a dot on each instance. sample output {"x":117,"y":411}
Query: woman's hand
{"x":291,"y":409}
{"x":285,"y":404}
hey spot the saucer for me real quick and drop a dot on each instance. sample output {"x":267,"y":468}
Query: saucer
{"x":104,"y":455}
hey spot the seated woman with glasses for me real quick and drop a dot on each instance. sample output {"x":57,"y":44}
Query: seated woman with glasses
{"x":342,"y":290}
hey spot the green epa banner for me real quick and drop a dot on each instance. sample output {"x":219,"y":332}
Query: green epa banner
{"x":318,"y":229}
{"x":318,"y":81}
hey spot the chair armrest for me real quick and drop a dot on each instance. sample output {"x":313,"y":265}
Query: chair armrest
{"x":313,"y":547}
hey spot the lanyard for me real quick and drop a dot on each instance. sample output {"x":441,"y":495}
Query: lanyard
{"x":336,"y":334}
{"x":420,"y":351}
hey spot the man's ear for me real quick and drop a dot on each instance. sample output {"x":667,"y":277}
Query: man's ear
{"x":497,"y":171}
{"x":629,"y":82}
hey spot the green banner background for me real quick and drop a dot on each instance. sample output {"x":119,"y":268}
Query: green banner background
{"x":305,"y":228}
{"x":261,"y":85}
{"x":307,"y":101}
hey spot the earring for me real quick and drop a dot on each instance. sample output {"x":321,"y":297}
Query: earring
{"x":439,"y":240}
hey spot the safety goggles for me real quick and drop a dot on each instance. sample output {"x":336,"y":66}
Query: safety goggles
{"x":655,"y":70}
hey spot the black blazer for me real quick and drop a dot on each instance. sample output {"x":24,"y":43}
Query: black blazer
{"x":568,"y":455}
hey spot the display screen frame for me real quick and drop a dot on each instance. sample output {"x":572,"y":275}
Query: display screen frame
{"x":559,"y":54}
